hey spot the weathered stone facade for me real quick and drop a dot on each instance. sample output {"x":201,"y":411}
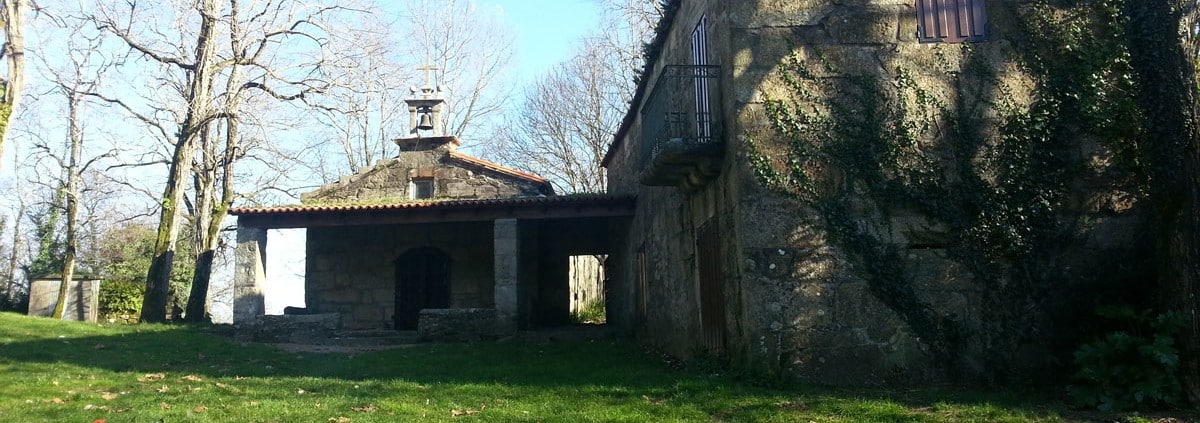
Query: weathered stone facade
{"x":351,"y":271}
{"x":796,"y":301}
{"x":458,"y":324}
{"x":453,"y":176}
{"x":82,"y":298}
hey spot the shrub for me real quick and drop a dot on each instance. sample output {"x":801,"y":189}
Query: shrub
{"x":1132,"y":367}
{"x":120,"y":300}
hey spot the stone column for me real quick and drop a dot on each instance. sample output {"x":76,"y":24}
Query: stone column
{"x":508,"y":293}
{"x":249,"y":275}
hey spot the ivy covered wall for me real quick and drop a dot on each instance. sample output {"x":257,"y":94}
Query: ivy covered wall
{"x":986,"y":196}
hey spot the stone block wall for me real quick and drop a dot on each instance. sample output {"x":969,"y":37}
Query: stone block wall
{"x":392,"y":180}
{"x":457,"y":324}
{"x":350,"y":270}
{"x":82,"y":299}
{"x":797,"y":302}
{"x":292,"y":329}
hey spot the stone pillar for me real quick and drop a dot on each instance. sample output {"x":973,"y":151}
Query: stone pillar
{"x":508,"y":288}
{"x":249,"y":275}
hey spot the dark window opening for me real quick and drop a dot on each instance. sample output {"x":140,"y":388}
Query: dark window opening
{"x":422,"y":189}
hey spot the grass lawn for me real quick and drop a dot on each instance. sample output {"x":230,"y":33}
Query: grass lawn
{"x":75,"y":372}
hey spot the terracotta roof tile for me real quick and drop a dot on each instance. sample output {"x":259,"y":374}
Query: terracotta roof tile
{"x":436,"y":204}
{"x":496,"y":167}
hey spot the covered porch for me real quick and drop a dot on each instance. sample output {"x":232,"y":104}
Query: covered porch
{"x":500,"y":265}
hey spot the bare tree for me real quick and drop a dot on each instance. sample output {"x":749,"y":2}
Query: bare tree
{"x":472,"y":52}
{"x":73,"y":79}
{"x":361,"y":112}
{"x":197,"y":63}
{"x":12,"y":13}
{"x":255,"y":36}
{"x":566,"y":121}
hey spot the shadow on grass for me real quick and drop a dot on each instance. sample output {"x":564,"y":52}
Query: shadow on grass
{"x":606,"y":372}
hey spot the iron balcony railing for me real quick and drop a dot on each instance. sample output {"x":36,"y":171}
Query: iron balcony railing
{"x":683,"y":110}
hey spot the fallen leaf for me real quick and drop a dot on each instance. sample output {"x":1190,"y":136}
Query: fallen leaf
{"x":109,"y":396}
{"x":200,"y":409}
{"x":191,"y":378}
{"x":655,"y":401}
{"x":164,"y":406}
{"x":221,"y":385}
{"x":99,"y":421}
{"x":300,"y":392}
{"x":341,"y":419}
{"x":55,"y":401}
{"x":467,"y":412}
{"x":163,"y":389}
{"x":791,"y":405}
{"x":369,"y":408}
{"x":152,"y":376}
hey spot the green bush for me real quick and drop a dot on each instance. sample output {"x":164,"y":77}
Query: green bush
{"x":1132,"y":367}
{"x":120,"y":300}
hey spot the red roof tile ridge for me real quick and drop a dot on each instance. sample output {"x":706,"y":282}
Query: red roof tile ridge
{"x":425,"y":204}
{"x":497,"y":167}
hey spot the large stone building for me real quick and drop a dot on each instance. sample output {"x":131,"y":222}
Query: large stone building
{"x":435,"y":236}
{"x":760,"y":239}
{"x":844,"y":192}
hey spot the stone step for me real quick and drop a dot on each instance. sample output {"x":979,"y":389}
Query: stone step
{"x":372,"y":333}
{"x":372,"y":338}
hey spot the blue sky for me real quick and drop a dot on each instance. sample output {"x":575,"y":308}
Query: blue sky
{"x":547,"y":30}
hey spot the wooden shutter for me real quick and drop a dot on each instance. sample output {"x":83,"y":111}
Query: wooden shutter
{"x":951,"y":21}
{"x":712,"y":296}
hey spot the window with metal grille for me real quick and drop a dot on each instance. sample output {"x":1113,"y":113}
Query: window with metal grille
{"x":700,"y":58}
{"x":951,"y":21}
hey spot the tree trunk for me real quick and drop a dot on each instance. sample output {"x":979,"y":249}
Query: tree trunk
{"x":214,"y":208}
{"x":196,"y":311}
{"x":14,"y":29}
{"x":1166,"y":76}
{"x":72,"y":196}
{"x":199,"y":99}
{"x":11,"y":284}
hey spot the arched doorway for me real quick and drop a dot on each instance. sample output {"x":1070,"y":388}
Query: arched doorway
{"x":422,"y":281}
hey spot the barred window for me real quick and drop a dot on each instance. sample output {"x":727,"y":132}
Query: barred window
{"x":951,"y":21}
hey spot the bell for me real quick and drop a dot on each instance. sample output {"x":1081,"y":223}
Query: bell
{"x":425,"y":122}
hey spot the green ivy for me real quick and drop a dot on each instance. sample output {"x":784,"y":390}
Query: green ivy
{"x":857,"y":147}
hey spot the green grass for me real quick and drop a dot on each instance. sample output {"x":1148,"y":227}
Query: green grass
{"x":591,"y":313}
{"x":75,"y":372}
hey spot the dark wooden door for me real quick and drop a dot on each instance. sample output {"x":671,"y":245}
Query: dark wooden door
{"x":422,"y":281}
{"x":712,"y":296}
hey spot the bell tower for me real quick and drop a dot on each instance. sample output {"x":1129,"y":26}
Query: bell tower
{"x":425,"y":107}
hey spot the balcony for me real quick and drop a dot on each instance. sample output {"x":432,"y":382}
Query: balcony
{"x":682,"y":139}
